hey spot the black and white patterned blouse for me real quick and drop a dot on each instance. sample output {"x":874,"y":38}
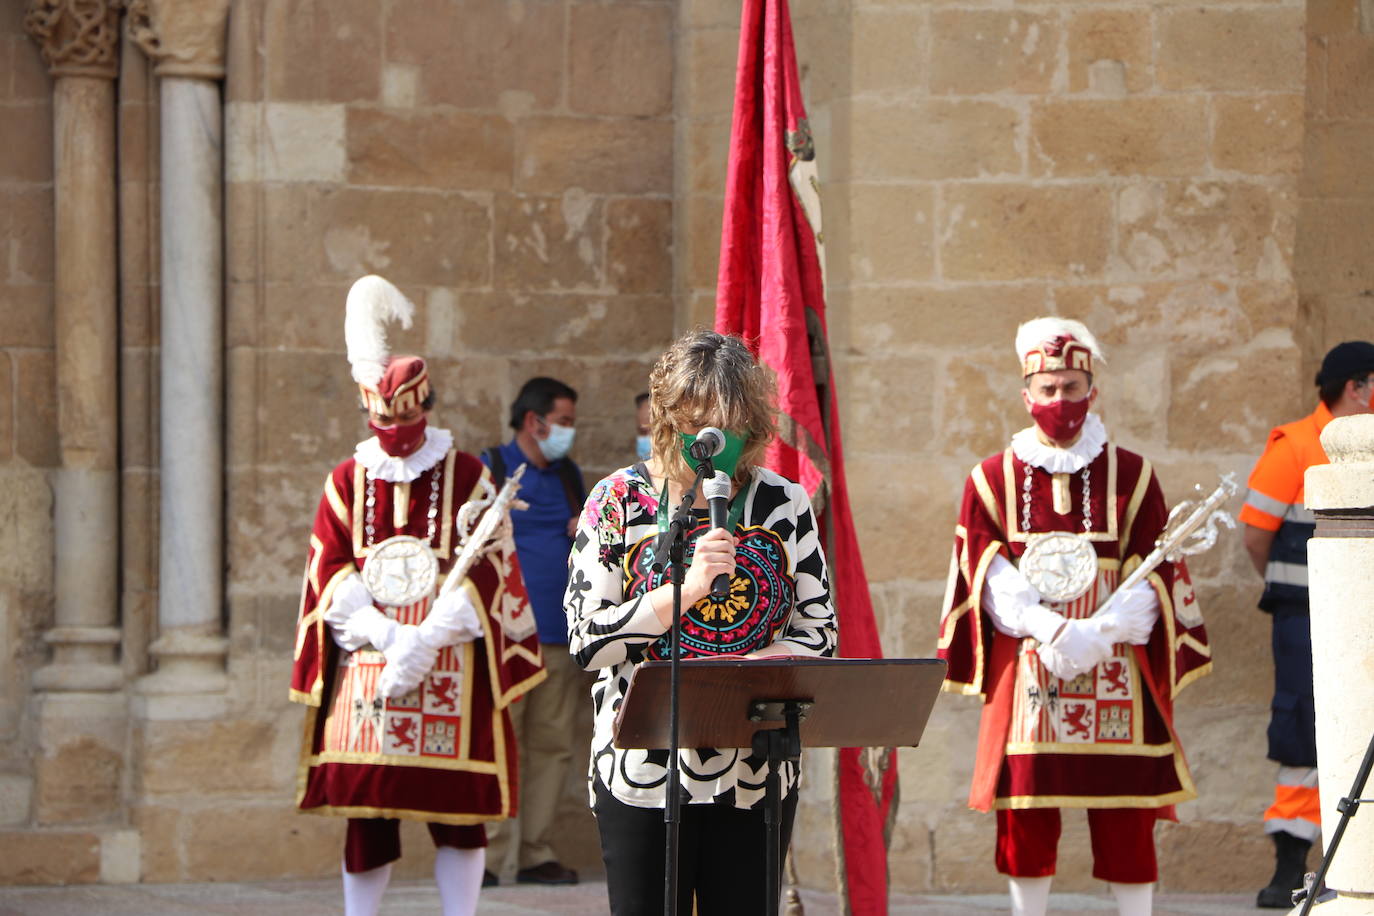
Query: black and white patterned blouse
{"x":780,"y":594}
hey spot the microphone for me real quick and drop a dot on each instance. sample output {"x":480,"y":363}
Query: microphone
{"x":717,"y":493}
{"x":709,"y":443}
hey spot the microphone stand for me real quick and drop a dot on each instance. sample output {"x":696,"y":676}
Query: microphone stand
{"x":682,"y":523}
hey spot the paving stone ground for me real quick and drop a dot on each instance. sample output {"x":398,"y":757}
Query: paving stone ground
{"x":411,"y":898}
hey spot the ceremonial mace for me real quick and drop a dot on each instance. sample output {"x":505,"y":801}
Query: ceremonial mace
{"x":1191,"y":528}
{"x":475,"y":544}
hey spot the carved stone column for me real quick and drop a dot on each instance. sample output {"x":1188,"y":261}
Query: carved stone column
{"x":1340,"y":561}
{"x":81,"y":703}
{"x":186,"y":39}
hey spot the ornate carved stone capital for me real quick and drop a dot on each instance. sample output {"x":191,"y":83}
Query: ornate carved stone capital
{"x":185,"y":37}
{"x":77,"y":37}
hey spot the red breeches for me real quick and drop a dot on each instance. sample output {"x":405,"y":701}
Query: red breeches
{"x":374,"y":841}
{"x":1122,"y":842}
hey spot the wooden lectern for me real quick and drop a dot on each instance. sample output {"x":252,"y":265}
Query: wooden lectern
{"x":776,"y":706}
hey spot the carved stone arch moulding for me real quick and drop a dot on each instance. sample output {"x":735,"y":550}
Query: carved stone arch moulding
{"x":76,"y":37}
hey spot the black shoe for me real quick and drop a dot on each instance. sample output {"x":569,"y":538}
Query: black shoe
{"x":489,"y":878}
{"x":546,"y":873}
{"x":1274,"y":898}
{"x":1290,"y":865}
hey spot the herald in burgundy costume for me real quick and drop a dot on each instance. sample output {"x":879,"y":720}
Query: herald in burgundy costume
{"x":1101,"y":737}
{"x":407,"y":675}
{"x":1106,"y":738}
{"x":444,"y":753}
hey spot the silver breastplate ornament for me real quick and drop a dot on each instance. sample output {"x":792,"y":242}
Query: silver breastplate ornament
{"x":401,"y":569}
{"x":1061,"y":565}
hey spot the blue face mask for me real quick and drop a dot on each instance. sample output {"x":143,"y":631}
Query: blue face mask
{"x":558,"y":443}
{"x":644,"y":447}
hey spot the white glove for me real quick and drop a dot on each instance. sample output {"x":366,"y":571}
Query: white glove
{"x":451,"y":620}
{"x":408,"y":660}
{"x":1041,"y":623}
{"x":1130,"y":614}
{"x":1080,"y":646}
{"x":369,"y":626}
{"x":1014,"y":604}
{"x":352,"y":619}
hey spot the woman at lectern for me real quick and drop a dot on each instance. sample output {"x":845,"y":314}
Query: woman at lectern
{"x":706,"y":387}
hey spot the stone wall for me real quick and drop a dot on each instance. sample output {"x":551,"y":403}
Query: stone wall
{"x":28,"y":407}
{"x":1334,"y":271}
{"x":544,"y":179}
{"x":1134,"y":165}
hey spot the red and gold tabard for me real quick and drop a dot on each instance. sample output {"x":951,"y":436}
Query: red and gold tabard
{"x":1104,"y":739}
{"x":444,"y":753}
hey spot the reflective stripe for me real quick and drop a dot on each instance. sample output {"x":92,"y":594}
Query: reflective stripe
{"x":1300,"y":513}
{"x":1266,"y":504}
{"x":1302,"y":829}
{"x":1297,"y":776}
{"x":1286,"y":573}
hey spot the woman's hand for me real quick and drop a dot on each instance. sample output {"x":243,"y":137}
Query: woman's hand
{"x":714,"y":555}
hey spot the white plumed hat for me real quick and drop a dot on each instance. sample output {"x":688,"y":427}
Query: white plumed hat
{"x":389,"y":383}
{"x":373,"y":302}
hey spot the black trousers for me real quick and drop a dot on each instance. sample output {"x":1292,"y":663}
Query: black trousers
{"x":722,"y":858}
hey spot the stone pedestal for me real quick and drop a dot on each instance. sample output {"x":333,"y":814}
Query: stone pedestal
{"x":1341,"y":566}
{"x":79,"y":781}
{"x":190,"y":682}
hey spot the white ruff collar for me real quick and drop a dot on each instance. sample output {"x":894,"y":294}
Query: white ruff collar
{"x":1028,"y":447}
{"x":403,"y":470}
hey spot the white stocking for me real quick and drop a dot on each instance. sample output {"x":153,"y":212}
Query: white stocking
{"x":363,"y":890}
{"x":458,"y":872}
{"x":1133,"y":899}
{"x":1030,"y":896}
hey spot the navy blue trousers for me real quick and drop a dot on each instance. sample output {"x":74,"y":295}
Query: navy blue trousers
{"x":1292,"y":714}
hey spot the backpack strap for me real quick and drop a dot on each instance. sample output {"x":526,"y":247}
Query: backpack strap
{"x":497,"y":465}
{"x":573,"y":489}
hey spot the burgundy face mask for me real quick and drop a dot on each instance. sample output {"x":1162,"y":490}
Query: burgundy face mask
{"x":399,"y":441}
{"x":1061,"y":420}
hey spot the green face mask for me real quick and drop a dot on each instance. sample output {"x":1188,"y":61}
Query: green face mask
{"x":726,"y":461}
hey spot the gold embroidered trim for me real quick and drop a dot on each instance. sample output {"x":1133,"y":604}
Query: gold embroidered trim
{"x":400,"y":504}
{"x":453,"y":820}
{"x":1034,"y":748}
{"x":1106,"y":801}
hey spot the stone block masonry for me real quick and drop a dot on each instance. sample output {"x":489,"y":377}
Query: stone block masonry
{"x":544,"y":178}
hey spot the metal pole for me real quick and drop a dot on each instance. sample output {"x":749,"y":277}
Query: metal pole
{"x":679,"y":528}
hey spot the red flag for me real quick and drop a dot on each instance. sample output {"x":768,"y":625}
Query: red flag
{"x":771,"y":293}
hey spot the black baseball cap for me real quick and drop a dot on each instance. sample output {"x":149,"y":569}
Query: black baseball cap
{"x":1345,"y":361}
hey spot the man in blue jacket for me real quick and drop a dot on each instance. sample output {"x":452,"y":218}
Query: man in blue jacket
{"x":544,"y":417}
